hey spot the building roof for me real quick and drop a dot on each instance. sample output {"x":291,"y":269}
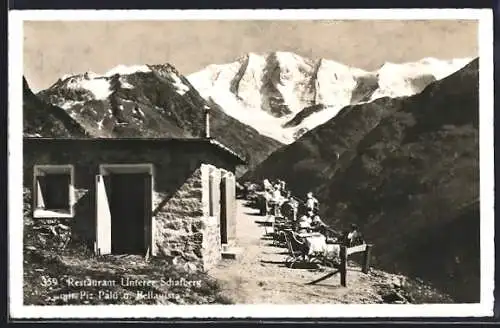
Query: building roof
{"x":202,"y":141}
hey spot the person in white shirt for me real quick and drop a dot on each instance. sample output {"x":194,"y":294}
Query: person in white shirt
{"x":354,"y":237}
{"x":277,"y":200}
{"x":267,"y":196}
{"x":311,"y":203}
{"x":295,"y":207}
{"x":267,"y":185}
{"x":277,"y":194}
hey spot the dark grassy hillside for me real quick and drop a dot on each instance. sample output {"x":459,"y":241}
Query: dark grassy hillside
{"x":318,"y":154}
{"x":415,"y":178}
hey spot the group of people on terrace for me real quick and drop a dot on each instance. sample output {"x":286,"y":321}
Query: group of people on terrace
{"x":303,"y":214}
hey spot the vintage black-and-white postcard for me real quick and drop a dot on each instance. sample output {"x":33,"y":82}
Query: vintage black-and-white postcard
{"x":246,"y":163}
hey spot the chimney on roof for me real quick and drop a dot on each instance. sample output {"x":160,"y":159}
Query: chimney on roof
{"x":207,"y":121}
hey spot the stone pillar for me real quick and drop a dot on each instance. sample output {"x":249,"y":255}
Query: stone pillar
{"x":231,"y":208}
{"x":211,"y":245}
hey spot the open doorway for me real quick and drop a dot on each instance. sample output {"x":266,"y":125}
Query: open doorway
{"x":124,"y":209}
{"x":130,"y":195}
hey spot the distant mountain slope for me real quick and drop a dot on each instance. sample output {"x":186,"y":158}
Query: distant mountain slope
{"x":150,"y":101}
{"x":407,"y":173}
{"x":315,"y":157}
{"x":283,"y":95}
{"x":45,"y":120}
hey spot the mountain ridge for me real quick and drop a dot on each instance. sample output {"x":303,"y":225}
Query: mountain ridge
{"x":268,"y":91}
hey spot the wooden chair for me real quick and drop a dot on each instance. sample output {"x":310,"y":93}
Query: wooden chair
{"x":297,"y":250}
{"x":279,"y":238}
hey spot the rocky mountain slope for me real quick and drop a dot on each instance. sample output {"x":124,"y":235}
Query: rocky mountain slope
{"x":43,"y":119}
{"x":149,"y":101}
{"x":407,"y":171}
{"x":283,"y":95}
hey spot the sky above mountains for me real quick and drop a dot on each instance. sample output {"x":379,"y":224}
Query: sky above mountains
{"x":55,"y":48}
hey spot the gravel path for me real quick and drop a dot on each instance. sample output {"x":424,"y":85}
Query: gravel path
{"x":259,"y":276}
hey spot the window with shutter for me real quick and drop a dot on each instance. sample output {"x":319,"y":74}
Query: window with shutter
{"x":53,"y":191}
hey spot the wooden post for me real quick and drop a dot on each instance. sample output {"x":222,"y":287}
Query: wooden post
{"x":343,"y":265}
{"x":366,"y":259}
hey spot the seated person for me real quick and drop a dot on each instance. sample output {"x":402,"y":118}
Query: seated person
{"x":283,"y":186}
{"x":267,"y":199}
{"x":354,"y":237}
{"x":277,"y":194}
{"x":277,"y":201}
{"x":267,"y":185}
{"x":289,"y":208}
{"x":295,"y":208}
{"x":304,"y":223}
{"x":319,"y":225}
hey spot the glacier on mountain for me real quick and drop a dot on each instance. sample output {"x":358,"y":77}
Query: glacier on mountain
{"x":268,"y":91}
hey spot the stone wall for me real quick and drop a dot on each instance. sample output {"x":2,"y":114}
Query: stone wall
{"x":178,"y":220}
{"x":182,"y":229}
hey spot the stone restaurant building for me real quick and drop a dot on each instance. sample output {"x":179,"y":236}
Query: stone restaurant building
{"x":172,"y":198}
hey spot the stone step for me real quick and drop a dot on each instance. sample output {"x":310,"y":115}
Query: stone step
{"x":230,"y":252}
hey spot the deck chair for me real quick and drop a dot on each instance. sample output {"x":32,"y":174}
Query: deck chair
{"x":279,"y":238}
{"x":297,"y":250}
{"x":273,"y":223}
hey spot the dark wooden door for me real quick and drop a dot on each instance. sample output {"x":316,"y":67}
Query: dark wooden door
{"x":130,"y":204}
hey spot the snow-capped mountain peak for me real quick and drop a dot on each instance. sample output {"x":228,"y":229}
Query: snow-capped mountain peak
{"x":127,"y":70}
{"x":94,"y":86}
{"x":283,"y":95}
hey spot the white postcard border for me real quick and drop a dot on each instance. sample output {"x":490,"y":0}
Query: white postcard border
{"x":15,"y":128}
